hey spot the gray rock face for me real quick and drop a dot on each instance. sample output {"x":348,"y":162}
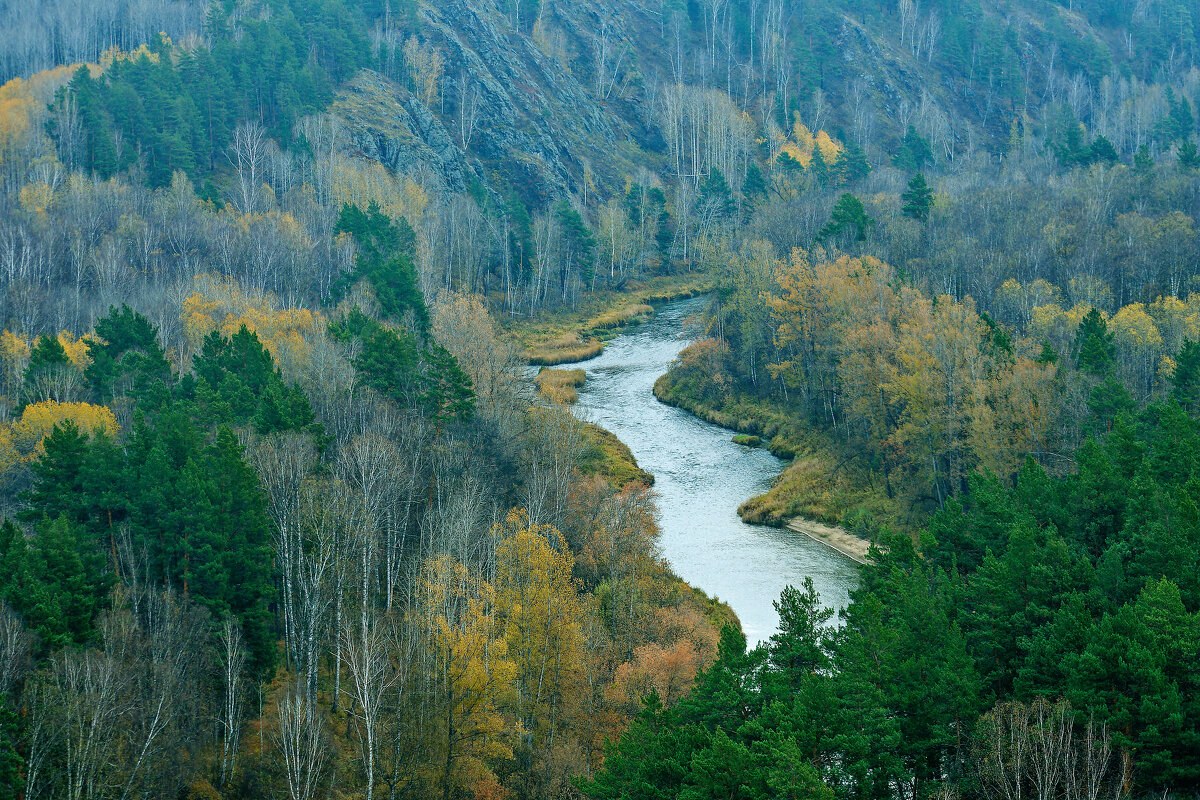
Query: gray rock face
{"x":537,"y":124}
{"x":386,"y":123}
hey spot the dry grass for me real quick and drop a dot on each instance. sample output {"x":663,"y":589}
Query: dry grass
{"x":811,"y":487}
{"x":565,"y":349}
{"x":817,"y":484}
{"x":620,"y":317}
{"x":560,"y":385}
{"x":569,"y":335}
{"x":604,"y":454}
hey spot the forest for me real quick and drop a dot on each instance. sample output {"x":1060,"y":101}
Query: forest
{"x":282,"y":516}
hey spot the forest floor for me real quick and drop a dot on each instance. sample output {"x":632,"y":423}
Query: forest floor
{"x":840,"y":539}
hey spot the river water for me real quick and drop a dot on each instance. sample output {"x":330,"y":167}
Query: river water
{"x":701,"y":477}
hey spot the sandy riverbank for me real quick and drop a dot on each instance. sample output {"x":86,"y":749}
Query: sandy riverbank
{"x":839,"y":539}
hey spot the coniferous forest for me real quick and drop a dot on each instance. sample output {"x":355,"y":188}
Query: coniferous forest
{"x":289,"y":510}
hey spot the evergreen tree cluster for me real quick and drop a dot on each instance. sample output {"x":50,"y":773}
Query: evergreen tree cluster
{"x":175,"y":498}
{"x":406,"y":366}
{"x":168,"y":109}
{"x":1083,"y":588}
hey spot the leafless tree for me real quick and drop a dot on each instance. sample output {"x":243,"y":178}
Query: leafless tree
{"x":283,"y":462}
{"x":86,"y":689}
{"x":555,"y":444}
{"x":15,"y":643}
{"x":233,"y":663}
{"x":302,"y":743}
{"x":248,"y":153}
{"x":371,"y":676}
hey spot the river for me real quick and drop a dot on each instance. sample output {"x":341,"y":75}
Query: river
{"x":701,"y":477}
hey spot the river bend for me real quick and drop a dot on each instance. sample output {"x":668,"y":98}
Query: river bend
{"x":701,"y":477}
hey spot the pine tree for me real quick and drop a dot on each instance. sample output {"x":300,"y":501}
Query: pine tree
{"x":58,"y":476}
{"x":715,"y":190}
{"x":917,"y":202}
{"x":126,"y":357}
{"x":818,"y":168}
{"x":1143,"y":162}
{"x":755,"y":185}
{"x":384,"y":259}
{"x":1102,"y":151}
{"x":446,"y":391}
{"x":848,"y":220}
{"x":1188,"y":157}
{"x":790,"y":165}
{"x":914,"y":153}
{"x":1185,"y":379}
{"x":1094,"y":348}
{"x":851,"y":165}
{"x":46,"y":354}
{"x":11,"y":784}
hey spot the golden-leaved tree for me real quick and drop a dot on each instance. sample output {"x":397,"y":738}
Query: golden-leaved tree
{"x":923,"y":385}
{"x":540,"y":611}
{"x":220,"y":304}
{"x":22,"y":441}
{"x":469,"y":677}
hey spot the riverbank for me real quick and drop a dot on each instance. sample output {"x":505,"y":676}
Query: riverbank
{"x":700,"y":478}
{"x":840,"y":539}
{"x":819,"y":485}
{"x":578,"y":334}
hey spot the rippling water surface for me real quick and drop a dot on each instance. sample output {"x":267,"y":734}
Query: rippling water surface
{"x":701,"y":477}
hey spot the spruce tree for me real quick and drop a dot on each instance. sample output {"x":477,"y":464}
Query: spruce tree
{"x":848,"y":220}
{"x":12,"y":787}
{"x":715,"y":190}
{"x":1094,"y":348}
{"x":1102,"y":151}
{"x":917,"y":202}
{"x":1188,"y":157}
{"x":914,"y":153}
{"x":755,"y":185}
{"x":1185,"y":380}
{"x":851,"y":165}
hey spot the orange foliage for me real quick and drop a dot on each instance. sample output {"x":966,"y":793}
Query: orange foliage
{"x":668,"y":671}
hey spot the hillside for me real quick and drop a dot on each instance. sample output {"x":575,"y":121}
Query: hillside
{"x":282,"y":517}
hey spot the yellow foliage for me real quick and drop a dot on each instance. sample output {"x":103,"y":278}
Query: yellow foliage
{"x":1177,"y":320}
{"x":114,"y":54}
{"x":23,"y":439}
{"x":803,"y":144}
{"x":362,"y":182}
{"x":538,"y":603}
{"x":16,"y":104}
{"x":426,"y":65}
{"x":1056,"y":325}
{"x":803,"y":136}
{"x":36,"y":197}
{"x":23,"y":102}
{"x":219,"y":304}
{"x":830,"y":149}
{"x":14,"y":357}
{"x":76,"y":349}
{"x":474,"y":673}
{"x":1166,"y":369}
{"x":1132,"y":327}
